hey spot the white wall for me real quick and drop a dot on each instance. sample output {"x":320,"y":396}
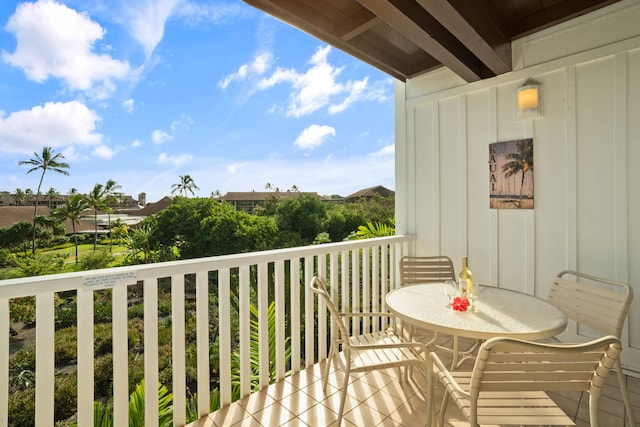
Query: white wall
{"x":586,"y":161}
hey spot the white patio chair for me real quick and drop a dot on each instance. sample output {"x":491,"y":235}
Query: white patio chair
{"x":599,"y":304}
{"x":510,"y":377}
{"x":426,"y":269}
{"x":367,"y":352}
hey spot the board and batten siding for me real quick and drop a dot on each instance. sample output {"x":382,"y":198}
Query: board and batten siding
{"x":586,"y":156}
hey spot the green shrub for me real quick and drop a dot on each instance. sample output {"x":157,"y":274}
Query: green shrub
{"x":23,"y":310}
{"x":95,"y":260}
{"x":22,"y":408}
{"x":102,"y":339}
{"x":66,"y":345}
{"x":66,"y":396}
{"x":103,"y":376}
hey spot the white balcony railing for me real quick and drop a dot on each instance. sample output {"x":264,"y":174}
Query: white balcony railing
{"x":360,"y":273}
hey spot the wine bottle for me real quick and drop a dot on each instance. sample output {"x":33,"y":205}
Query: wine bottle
{"x":466,"y":280}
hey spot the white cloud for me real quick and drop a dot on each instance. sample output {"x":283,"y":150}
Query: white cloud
{"x":317,"y":87}
{"x":56,"y":41}
{"x":146,"y":21}
{"x":175,"y":161}
{"x":56,"y":124}
{"x":197,"y":13}
{"x":159,"y":136}
{"x":387,"y":150}
{"x":128,"y":105}
{"x":256,"y":68}
{"x":314,"y":136}
{"x":183,"y":122}
{"x":136,"y":143}
{"x":103,"y":152}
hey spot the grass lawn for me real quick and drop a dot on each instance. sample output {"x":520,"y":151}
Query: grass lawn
{"x":118,"y":251}
{"x":87,"y":248}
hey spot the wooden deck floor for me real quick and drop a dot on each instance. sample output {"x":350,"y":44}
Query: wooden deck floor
{"x":381,"y":399}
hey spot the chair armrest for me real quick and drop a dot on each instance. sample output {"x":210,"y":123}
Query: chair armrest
{"x":442,"y":368}
{"x":414,"y":346}
{"x":364,"y":314}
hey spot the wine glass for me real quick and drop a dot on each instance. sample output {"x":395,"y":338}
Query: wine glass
{"x":450,"y":289}
{"x":473,"y":297}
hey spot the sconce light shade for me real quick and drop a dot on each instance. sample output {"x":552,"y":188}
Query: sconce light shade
{"x":529,"y":99}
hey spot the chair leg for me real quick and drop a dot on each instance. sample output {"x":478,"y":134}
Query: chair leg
{"x":343,"y":395}
{"x":443,"y":407}
{"x":625,"y":393}
{"x":325,"y":376}
{"x":593,"y":411}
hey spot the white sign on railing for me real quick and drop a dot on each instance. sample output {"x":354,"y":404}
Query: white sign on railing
{"x":103,"y":281}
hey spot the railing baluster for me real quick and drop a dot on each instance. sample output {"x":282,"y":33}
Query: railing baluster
{"x":245,"y":331}
{"x":322,"y":312}
{"x":355,"y":287}
{"x":202,"y":339}
{"x":263,"y":326}
{"x":280,"y":318}
{"x":296,"y":306}
{"x":366,"y":291}
{"x":45,"y":364}
{"x":150,"y":349}
{"x":85,"y":357}
{"x":224,"y":328}
{"x":309,"y":315}
{"x":4,"y":362}
{"x":120,"y":357}
{"x":178,"y":349}
{"x":375,"y":282}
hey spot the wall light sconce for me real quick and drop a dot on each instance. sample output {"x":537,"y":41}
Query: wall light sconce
{"x":529,"y":98}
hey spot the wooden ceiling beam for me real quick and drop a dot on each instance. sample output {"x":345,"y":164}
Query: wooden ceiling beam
{"x":357,"y":24}
{"x":301,"y":16}
{"x":483,"y":39}
{"x":413,"y":22}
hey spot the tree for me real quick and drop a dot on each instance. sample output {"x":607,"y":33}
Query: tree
{"x":46,"y":161}
{"x":521,"y":161}
{"x":186,"y":185}
{"x":200,"y":227}
{"x":140,"y":241}
{"x":73,"y":210}
{"x":52,"y":193}
{"x":19,"y":198}
{"x":111,"y":197}
{"x":302,"y":215}
{"x":96,"y":199}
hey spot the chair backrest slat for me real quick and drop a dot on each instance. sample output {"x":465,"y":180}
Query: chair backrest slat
{"x":598,"y":303}
{"x":427,"y":269}
{"x":506,"y":364}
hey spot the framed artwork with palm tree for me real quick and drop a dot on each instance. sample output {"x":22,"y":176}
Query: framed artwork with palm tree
{"x":511,"y":174}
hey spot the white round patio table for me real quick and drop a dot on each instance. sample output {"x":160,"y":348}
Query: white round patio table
{"x":501,"y":312}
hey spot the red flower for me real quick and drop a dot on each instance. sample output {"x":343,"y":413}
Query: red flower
{"x":460,"y":304}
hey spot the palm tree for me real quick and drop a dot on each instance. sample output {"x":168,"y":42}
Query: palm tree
{"x":110,"y":198}
{"x":19,"y":198}
{"x":96,"y":199}
{"x":45,"y":161}
{"x":75,"y":208}
{"x":51,"y":194}
{"x":521,"y":161}
{"x":186,"y":185}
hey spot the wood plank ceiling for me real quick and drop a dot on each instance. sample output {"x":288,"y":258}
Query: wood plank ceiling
{"x":405,"y":38}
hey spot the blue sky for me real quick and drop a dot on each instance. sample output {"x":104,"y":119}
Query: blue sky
{"x":142,"y":92}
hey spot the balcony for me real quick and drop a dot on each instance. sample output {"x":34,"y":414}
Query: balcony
{"x":361,"y":272}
